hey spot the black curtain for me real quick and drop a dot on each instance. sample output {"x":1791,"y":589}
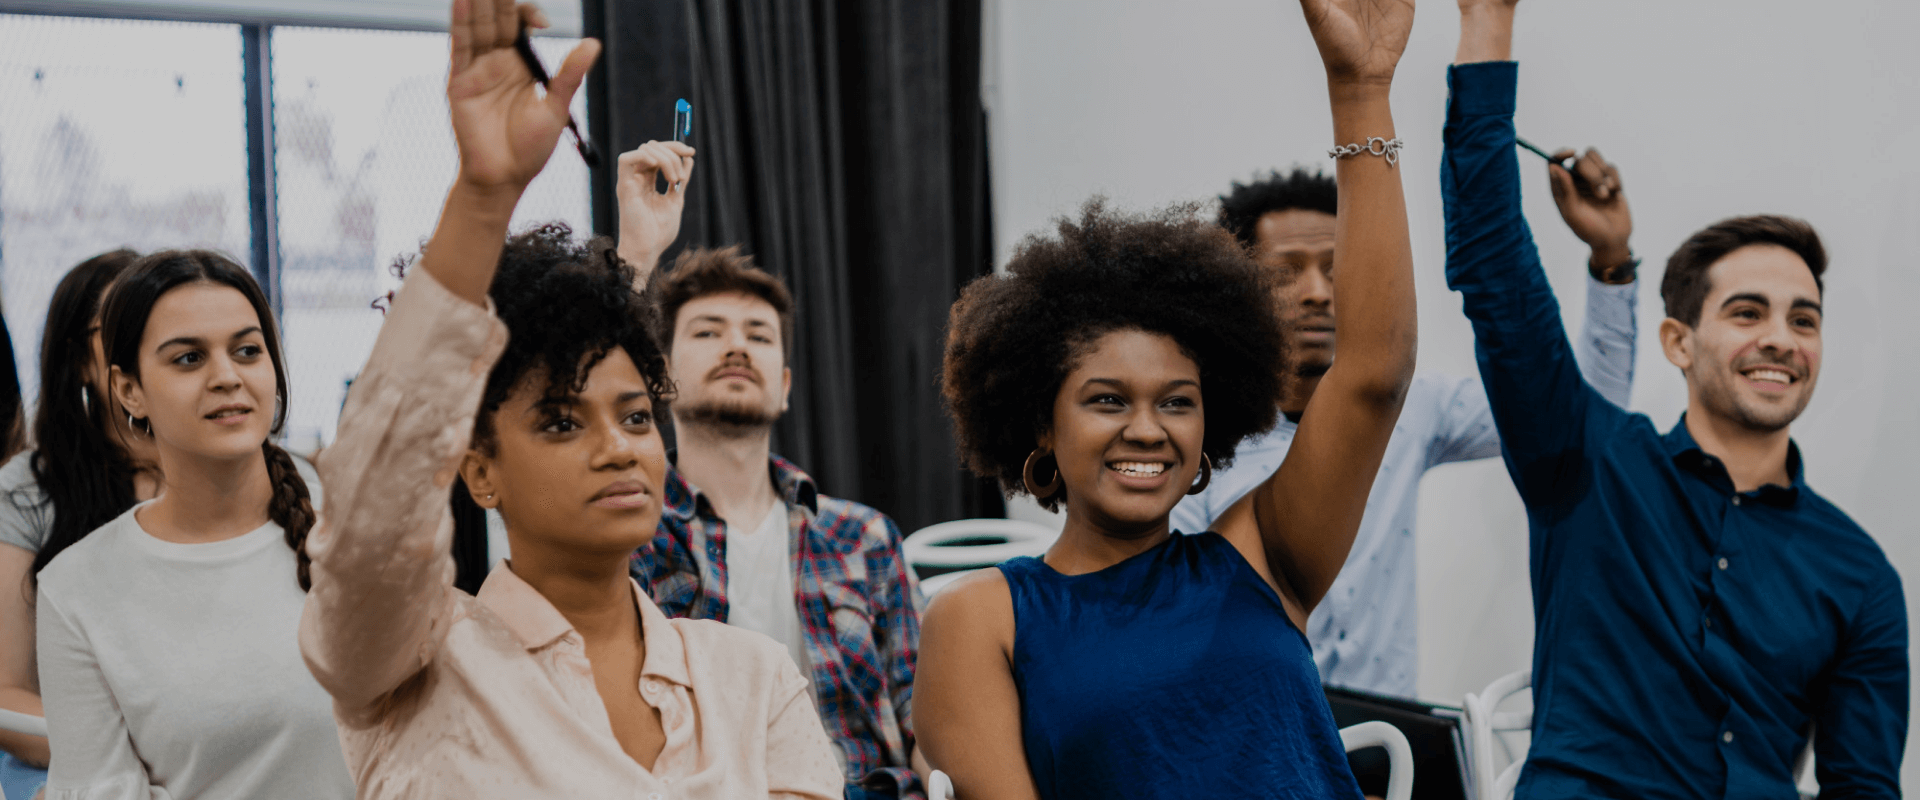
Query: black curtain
{"x":844,"y":145}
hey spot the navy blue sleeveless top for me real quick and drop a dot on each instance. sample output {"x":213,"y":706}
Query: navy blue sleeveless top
{"x":1174,"y":673}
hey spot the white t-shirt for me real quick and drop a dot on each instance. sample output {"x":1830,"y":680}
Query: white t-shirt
{"x":26,"y":514}
{"x":174,"y":671}
{"x":760,"y":583}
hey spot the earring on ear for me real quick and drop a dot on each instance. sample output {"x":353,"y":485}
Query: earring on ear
{"x":1035,"y":488}
{"x":86,"y":400}
{"x":134,"y":423}
{"x":1206,"y":475}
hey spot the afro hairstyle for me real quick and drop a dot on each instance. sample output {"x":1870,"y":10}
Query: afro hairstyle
{"x":1012,"y":338}
{"x":566,"y":305}
{"x":1242,"y":207}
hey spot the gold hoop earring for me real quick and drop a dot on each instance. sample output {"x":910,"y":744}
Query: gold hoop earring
{"x":1206,"y":475}
{"x":1040,"y":492}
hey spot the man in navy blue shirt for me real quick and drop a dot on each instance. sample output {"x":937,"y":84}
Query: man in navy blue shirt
{"x":1698,"y":610}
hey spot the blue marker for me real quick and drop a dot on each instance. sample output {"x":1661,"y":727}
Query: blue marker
{"x":682,"y":121}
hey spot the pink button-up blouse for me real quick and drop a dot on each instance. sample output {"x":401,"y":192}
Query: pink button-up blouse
{"x":438,"y":694}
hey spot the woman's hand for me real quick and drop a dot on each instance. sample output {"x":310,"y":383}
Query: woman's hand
{"x":506,"y":127}
{"x":1360,"y":41}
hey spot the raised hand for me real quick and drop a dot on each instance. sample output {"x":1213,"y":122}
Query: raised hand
{"x":649,"y":218}
{"x":504,"y":124}
{"x":1360,"y":41}
{"x":1593,"y":205}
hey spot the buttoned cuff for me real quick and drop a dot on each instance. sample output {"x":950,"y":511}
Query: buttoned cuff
{"x":1482,"y":90}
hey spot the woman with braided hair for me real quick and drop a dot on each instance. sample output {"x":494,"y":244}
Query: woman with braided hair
{"x":169,"y":659}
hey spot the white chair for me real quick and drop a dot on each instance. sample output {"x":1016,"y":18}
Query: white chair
{"x":1358,"y":737}
{"x":935,"y":584}
{"x":973,"y":543}
{"x":1484,"y":720}
{"x":22,"y":723}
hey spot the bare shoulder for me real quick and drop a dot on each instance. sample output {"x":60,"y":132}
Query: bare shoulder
{"x":976,"y":607}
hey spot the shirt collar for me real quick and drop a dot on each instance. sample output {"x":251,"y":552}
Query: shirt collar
{"x":536,"y":623}
{"x":793,"y":485}
{"x":1686,"y":453}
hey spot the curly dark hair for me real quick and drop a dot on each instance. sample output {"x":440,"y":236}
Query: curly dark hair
{"x":1012,"y":338}
{"x":566,"y":305}
{"x":1242,"y":206}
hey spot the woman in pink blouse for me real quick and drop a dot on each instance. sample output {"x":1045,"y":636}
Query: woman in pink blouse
{"x":561,"y":679}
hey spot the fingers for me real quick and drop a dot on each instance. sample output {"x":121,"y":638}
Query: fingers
{"x":572,"y":73}
{"x":506,"y":23}
{"x":532,"y":17}
{"x":1596,"y":173}
{"x":670,"y":161}
{"x":460,"y":31}
{"x":1561,"y":181}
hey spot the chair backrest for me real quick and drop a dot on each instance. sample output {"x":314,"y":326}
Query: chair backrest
{"x":1483,"y":720}
{"x":964,"y":544}
{"x":1357,"y":737}
{"x":22,"y":723}
{"x":1433,"y":731}
{"x":1399,"y":754}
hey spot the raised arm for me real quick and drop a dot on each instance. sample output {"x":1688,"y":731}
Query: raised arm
{"x":1307,"y":513}
{"x":1594,"y":205}
{"x":381,"y":572}
{"x":1544,"y":412}
{"x":650,"y":218}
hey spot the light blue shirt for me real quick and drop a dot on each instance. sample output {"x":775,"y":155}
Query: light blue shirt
{"x":1365,"y":633}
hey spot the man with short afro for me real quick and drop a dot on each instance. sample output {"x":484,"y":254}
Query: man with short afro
{"x":1365,"y":633}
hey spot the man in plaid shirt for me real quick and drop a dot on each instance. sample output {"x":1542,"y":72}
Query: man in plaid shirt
{"x":745,"y":537}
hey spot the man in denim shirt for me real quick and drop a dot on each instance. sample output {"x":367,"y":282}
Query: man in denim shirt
{"x":1698,"y":609}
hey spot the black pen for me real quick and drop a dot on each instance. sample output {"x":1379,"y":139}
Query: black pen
{"x":524,"y":45}
{"x":1566,"y":165}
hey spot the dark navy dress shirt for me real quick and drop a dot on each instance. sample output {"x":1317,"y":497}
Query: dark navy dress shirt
{"x":1686,"y":635}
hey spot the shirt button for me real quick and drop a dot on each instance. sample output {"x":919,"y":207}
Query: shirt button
{"x":1736,"y":499}
{"x":1727,"y":737}
{"x":650,"y":687}
{"x":1708,"y":622}
{"x":1723,"y":562}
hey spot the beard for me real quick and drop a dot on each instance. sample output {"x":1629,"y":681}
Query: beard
{"x":1722,"y":398}
{"x":738,"y":415}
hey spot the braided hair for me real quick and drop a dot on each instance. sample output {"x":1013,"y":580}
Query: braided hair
{"x":123,"y":322}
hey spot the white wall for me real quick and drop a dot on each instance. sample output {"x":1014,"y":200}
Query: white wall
{"x":1711,"y":109}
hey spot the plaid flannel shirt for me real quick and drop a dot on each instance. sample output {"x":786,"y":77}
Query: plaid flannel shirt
{"x":859,"y":605}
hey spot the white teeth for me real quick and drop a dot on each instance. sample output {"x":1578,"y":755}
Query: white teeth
{"x":1774,"y":375}
{"x":1138,"y":469}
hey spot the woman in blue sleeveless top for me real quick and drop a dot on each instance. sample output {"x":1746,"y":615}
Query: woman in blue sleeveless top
{"x":1107,"y":372}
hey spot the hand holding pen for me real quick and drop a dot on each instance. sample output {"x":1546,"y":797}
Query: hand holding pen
{"x":1588,"y":193}
{"x":523,"y":44}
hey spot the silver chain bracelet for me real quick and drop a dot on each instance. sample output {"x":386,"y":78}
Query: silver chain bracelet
{"x":1376,"y":146}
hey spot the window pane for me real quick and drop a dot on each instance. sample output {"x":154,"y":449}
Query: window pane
{"x":364,"y":157}
{"x":114,"y":133}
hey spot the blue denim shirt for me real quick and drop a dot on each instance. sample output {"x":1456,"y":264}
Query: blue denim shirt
{"x":1686,"y":634}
